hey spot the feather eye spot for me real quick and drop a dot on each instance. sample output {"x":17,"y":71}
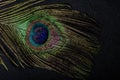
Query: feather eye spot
{"x":40,"y":35}
{"x":37,"y":34}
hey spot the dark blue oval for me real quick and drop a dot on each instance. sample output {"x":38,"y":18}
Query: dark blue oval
{"x":38,"y":34}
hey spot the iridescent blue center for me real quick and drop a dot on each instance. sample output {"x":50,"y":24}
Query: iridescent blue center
{"x":38,"y":34}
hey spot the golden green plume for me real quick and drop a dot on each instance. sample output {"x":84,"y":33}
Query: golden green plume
{"x":51,"y":36}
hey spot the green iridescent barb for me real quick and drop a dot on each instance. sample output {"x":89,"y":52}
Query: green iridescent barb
{"x":51,"y":36}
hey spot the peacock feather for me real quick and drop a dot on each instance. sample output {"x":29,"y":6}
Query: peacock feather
{"x":50,"y":36}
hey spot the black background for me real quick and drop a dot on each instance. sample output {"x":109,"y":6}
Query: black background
{"x":107,"y":62}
